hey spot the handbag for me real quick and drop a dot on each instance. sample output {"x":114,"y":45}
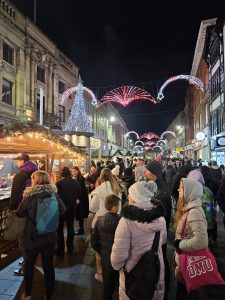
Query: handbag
{"x":141,"y":282}
{"x":14,"y":226}
{"x":198,"y":268}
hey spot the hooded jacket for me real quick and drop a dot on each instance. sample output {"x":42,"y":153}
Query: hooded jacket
{"x":28,"y":207}
{"x":195,"y":231}
{"x":134,"y":238}
{"x":20,"y":181}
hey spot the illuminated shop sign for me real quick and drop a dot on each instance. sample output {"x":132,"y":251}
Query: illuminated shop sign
{"x":220,"y":141}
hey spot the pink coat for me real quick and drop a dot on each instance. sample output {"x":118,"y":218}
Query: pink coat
{"x":132,"y":240}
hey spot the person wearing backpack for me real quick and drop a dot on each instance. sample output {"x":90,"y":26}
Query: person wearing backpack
{"x":133,"y":239}
{"x":41,"y":206}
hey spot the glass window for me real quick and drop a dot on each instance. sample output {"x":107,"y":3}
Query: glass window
{"x":7,"y":53}
{"x":40,"y":74}
{"x":38,"y":103}
{"x":61,"y":87}
{"x":61,"y":113}
{"x":215,"y":85}
{"x":214,"y":123}
{"x":7,"y":91}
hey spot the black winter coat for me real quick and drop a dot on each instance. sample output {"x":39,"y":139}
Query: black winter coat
{"x":164,"y":197}
{"x":220,"y":197}
{"x":28,"y":208}
{"x":128,"y":181}
{"x":102,"y":237}
{"x":69,"y":191}
{"x":170,"y":172}
{"x":20,"y":181}
{"x":83,"y":206}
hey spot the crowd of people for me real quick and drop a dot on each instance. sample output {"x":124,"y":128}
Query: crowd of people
{"x":128,"y":204}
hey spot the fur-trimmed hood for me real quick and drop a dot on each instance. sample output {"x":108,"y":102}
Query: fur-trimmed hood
{"x":134,"y":213}
{"x":38,"y":189}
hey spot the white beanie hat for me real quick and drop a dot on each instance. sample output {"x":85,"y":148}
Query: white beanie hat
{"x":116,"y":170}
{"x":142,"y":191}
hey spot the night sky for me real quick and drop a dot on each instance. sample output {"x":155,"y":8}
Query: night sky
{"x":116,"y":42}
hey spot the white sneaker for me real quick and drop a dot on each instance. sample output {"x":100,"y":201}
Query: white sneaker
{"x":99,"y":277}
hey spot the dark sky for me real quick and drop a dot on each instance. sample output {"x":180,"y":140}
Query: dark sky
{"x":115,"y":43}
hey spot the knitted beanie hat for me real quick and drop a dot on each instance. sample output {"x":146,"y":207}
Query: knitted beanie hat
{"x":155,"y":168}
{"x":142,"y":191}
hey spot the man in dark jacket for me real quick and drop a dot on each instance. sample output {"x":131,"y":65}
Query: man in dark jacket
{"x":102,"y":240}
{"x":70,"y":192}
{"x":153,"y":171}
{"x":20,"y":181}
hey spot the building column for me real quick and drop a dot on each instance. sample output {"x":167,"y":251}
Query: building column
{"x":20,"y":81}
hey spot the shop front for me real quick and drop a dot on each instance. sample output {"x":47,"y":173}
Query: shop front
{"x":218,"y":149}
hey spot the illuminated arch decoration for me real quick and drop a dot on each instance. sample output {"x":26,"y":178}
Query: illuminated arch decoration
{"x":124,"y":95}
{"x":157,"y":147}
{"x":160,"y":142}
{"x":79,"y":87}
{"x":149,"y":136}
{"x":139,"y":142}
{"x":168,"y":132}
{"x":150,"y":144}
{"x":133,"y":132}
{"x":191,"y":79}
{"x":138,"y":148}
{"x":147,"y":148}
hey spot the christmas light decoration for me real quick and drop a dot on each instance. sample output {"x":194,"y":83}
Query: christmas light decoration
{"x":133,"y":132}
{"x":157,"y":147}
{"x":160,"y":142}
{"x":139,"y":142}
{"x":168,"y":132}
{"x":138,"y":149}
{"x":77,"y":88}
{"x":191,"y":79}
{"x":125,"y":95}
{"x":78,"y":119}
{"x":150,"y":144}
{"x":149,"y":136}
{"x":147,"y":148}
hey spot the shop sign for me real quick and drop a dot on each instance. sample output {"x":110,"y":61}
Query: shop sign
{"x":95,"y":143}
{"x":220,"y":141}
{"x":200,"y":136}
{"x":13,"y":140}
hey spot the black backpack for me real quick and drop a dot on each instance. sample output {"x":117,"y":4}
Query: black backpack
{"x":141,"y":282}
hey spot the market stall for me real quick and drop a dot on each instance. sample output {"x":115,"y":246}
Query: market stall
{"x":51,"y":152}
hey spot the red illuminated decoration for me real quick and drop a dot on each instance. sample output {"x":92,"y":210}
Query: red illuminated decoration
{"x":125,"y":95}
{"x":149,"y":136}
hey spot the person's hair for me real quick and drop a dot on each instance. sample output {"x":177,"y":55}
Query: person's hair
{"x":214,"y":163}
{"x":79,"y":175}
{"x":180,"y":209}
{"x":106,"y":175}
{"x":111,"y":201}
{"x":40,"y":178}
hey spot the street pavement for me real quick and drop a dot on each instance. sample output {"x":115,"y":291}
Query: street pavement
{"x":75,"y":275}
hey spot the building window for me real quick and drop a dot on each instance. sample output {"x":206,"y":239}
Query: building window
{"x":40,"y":74}
{"x":214,"y":52}
{"x":7,"y":53}
{"x":38,"y":104}
{"x":214,"y":127}
{"x":61,"y":87}
{"x":61,"y":114}
{"x":7,"y":91}
{"x":215,"y":85}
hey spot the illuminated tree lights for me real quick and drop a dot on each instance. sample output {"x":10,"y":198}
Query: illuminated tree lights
{"x":77,"y":88}
{"x":192,"y":80}
{"x":139,"y":142}
{"x":78,"y":119}
{"x":125,"y":95}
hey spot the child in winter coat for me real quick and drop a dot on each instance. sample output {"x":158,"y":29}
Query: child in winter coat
{"x":102,"y":240}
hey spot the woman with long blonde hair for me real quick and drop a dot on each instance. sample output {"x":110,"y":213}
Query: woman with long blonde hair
{"x":190,"y":224}
{"x":108,"y":186}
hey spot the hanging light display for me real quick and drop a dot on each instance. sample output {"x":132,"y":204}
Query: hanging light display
{"x":191,"y":79}
{"x":133,"y":132}
{"x":157,"y":147}
{"x":168,"y":132}
{"x":138,"y":149}
{"x":150,"y":144}
{"x":149,"y":136}
{"x":160,"y":142}
{"x":125,"y":95}
{"x":139,"y":142}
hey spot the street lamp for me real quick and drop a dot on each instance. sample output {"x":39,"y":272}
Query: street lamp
{"x":112,"y":119}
